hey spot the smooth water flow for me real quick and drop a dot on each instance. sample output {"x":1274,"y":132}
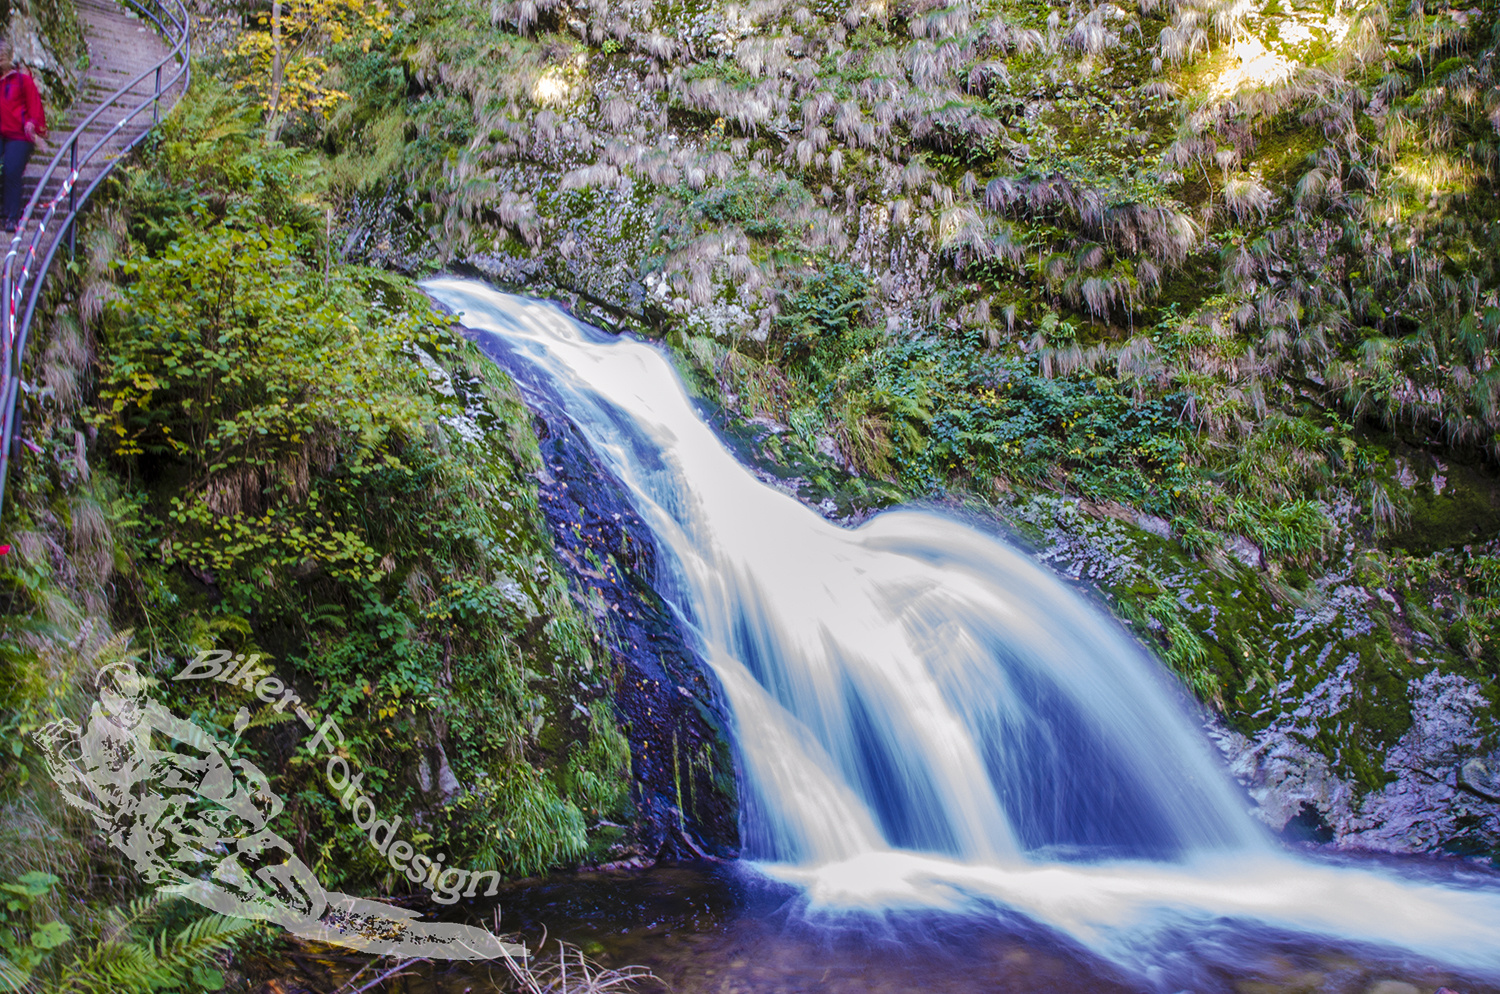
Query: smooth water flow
{"x":925,"y":716}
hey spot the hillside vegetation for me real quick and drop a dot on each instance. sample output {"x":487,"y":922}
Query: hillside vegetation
{"x":237,"y":443}
{"x":1201,"y":296}
{"x":1198,"y":298}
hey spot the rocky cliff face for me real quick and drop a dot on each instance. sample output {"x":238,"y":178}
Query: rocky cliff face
{"x":49,"y":42}
{"x":1441,"y":796}
{"x":1354,"y":728}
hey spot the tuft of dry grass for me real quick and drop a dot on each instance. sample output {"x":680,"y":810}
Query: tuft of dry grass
{"x":573,"y":973}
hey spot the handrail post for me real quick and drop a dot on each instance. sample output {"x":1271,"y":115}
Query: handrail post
{"x":73,"y":198}
{"x":7,"y":413}
{"x":156,"y":105}
{"x":8,"y":331}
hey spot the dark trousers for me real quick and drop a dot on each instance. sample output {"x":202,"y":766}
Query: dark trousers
{"x":17,"y":153}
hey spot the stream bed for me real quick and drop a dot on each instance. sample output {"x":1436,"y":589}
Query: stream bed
{"x":706,"y":928}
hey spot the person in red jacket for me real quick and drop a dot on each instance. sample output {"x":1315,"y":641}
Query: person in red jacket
{"x":22,"y":122}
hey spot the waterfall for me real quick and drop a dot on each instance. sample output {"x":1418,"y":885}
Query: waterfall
{"x":926,"y":717}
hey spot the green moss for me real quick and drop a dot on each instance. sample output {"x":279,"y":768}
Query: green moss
{"x":1187,"y":288}
{"x":724,"y":70}
{"x":1284,"y":150}
{"x":394,"y":569}
{"x":1466,"y":511}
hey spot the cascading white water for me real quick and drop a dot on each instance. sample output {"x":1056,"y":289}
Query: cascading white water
{"x":925,"y":716}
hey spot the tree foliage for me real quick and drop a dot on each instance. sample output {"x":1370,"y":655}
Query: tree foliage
{"x":286,"y":58}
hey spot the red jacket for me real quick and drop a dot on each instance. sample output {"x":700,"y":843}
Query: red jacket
{"x":20,"y":103}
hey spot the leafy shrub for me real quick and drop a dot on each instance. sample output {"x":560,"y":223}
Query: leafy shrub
{"x":819,"y":323}
{"x":328,"y":474}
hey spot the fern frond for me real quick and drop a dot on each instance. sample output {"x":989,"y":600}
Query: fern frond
{"x":110,"y":967}
{"x":125,"y":962}
{"x":204,"y":936}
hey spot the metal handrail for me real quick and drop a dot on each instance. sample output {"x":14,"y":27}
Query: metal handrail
{"x":20,"y":283}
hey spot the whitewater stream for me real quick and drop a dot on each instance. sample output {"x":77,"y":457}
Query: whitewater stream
{"x":931,"y":725}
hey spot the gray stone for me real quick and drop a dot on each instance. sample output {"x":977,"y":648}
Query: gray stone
{"x":1159,"y":527}
{"x":1392,"y":987}
{"x":1245,"y":551}
{"x":1482,"y":776}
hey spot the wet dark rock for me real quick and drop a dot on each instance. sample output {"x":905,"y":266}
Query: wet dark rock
{"x":669,"y":707}
{"x":1308,"y":826}
{"x":282,"y":987}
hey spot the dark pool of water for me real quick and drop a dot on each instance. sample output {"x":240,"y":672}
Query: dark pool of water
{"x":721,"y":929}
